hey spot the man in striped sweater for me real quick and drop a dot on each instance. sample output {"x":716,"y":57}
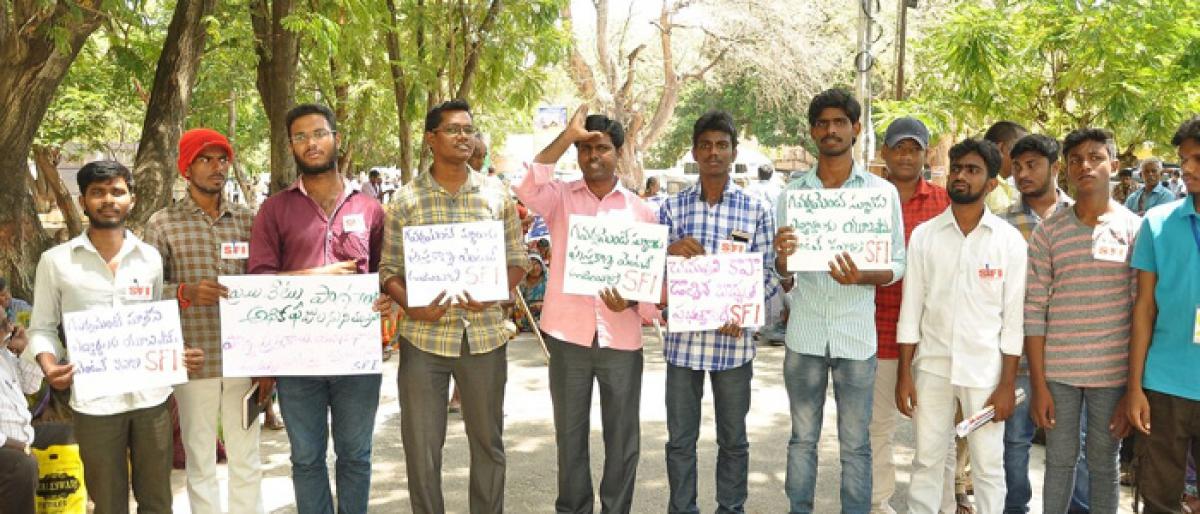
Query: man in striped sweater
{"x":1078,"y":303}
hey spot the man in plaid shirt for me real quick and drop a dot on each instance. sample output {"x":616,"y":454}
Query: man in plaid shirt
{"x":905,"y":149}
{"x":699,"y":218}
{"x":465,"y":339}
{"x":201,"y":237}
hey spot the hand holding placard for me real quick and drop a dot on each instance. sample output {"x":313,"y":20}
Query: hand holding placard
{"x":607,"y":252}
{"x":829,"y":222}
{"x":125,"y":349}
{"x":454,"y":258}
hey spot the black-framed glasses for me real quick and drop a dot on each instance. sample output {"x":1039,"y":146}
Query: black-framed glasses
{"x":317,"y":135}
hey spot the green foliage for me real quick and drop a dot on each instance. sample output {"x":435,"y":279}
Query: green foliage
{"x":1132,"y":66}
{"x":772,"y":124}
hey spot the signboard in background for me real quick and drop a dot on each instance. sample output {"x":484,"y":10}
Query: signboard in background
{"x":548,"y":121}
{"x":828,"y":222}
{"x":708,"y":291}
{"x":125,"y":349}
{"x":299,"y":325}
{"x":455,"y":257}
{"x":605,"y":252}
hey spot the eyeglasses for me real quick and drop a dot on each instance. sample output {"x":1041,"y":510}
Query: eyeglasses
{"x":457,"y":130}
{"x":208,"y":159}
{"x":317,"y":135}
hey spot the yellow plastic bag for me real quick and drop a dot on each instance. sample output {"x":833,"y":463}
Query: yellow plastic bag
{"x":60,"y":480}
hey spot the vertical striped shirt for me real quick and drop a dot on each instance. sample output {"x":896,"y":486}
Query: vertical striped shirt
{"x":1080,"y":303}
{"x":828,"y":318}
{"x":689,"y":215}
{"x":18,"y":377}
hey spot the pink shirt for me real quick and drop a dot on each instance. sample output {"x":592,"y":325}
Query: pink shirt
{"x":574,"y":318}
{"x":292,"y":233}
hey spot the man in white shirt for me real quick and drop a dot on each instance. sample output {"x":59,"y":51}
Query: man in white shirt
{"x":962,"y":313}
{"x":125,"y":435}
{"x":18,"y":470}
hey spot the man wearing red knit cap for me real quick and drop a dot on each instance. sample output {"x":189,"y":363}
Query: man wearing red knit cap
{"x":200,"y":237}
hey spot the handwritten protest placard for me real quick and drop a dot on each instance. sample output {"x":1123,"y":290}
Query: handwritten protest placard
{"x":455,"y":257}
{"x":125,"y":349}
{"x":708,"y":291}
{"x":274,"y":325}
{"x":828,"y":222}
{"x":606,"y":252}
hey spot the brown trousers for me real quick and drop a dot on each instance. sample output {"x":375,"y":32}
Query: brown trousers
{"x":116,"y":446}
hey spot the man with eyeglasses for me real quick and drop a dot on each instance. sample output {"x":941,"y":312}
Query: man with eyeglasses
{"x":201,"y":237}
{"x":466,"y":340}
{"x":320,"y":225}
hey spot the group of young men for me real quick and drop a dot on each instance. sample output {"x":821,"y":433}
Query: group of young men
{"x":1096,"y":298}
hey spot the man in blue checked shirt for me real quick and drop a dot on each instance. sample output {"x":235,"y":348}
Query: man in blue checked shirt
{"x":699,"y":218}
{"x":832,"y":323}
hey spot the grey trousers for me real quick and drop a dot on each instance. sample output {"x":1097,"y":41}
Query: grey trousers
{"x":573,"y":368}
{"x":424,"y":387}
{"x":1062,"y":448}
{"x":115,"y":447}
{"x":18,"y":480}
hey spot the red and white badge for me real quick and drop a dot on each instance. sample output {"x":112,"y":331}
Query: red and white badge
{"x":235,"y":250}
{"x":354,"y":223}
{"x":989,"y":273}
{"x":139,"y":292}
{"x":727,"y":246}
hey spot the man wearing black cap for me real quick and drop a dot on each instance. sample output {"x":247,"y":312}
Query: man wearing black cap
{"x":905,"y":150}
{"x":200,"y":237}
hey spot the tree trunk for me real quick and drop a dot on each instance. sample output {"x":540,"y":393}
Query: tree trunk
{"x":46,"y":159}
{"x":155,"y":167}
{"x":38,"y":43}
{"x":400,"y":89}
{"x":472,"y":62}
{"x":278,"y":52}
{"x":238,"y":175}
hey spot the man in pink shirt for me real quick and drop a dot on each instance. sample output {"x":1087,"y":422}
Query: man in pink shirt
{"x":590,"y":338}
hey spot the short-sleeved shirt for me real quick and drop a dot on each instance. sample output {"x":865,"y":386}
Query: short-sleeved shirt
{"x":687,"y":214}
{"x":73,"y":277}
{"x":1168,"y":246}
{"x":828,"y":318}
{"x":927,"y":201}
{"x":423,"y":201}
{"x":190,"y":242}
{"x":1080,"y":303}
{"x":291,"y":232}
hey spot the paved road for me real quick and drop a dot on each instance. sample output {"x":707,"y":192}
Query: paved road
{"x":529,"y":438}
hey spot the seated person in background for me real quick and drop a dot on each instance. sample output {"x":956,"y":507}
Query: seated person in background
{"x":13,"y":307}
{"x":533,"y":289}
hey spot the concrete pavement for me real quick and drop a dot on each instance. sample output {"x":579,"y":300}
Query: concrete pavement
{"x":529,"y":439}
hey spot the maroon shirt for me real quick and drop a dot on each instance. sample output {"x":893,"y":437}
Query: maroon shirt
{"x":292,"y":233}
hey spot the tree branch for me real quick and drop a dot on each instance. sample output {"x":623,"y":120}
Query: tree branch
{"x":472,"y":63}
{"x":579,"y":70}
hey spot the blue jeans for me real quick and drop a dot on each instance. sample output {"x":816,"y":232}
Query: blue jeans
{"x":1018,"y":438}
{"x":806,"y":378}
{"x":731,"y":403}
{"x":306,"y":403}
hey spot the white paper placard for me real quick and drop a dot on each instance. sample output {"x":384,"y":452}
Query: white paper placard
{"x":706,"y":292}
{"x":828,"y":222}
{"x":125,"y":349}
{"x":300,"y":325}
{"x":605,"y":252}
{"x":455,"y":257}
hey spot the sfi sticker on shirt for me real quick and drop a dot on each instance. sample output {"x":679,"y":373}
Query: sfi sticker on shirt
{"x":138,"y":292}
{"x":354,"y":223}
{"x":1109,"y":246}
{"x":989,"y":274}
{"x":727,"y":246}
{"x":235,"y":250}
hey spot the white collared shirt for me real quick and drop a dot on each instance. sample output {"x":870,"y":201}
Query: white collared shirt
{"x":17,"y":379}
{"x":964,"y":298}
{"x":74,"y":277}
